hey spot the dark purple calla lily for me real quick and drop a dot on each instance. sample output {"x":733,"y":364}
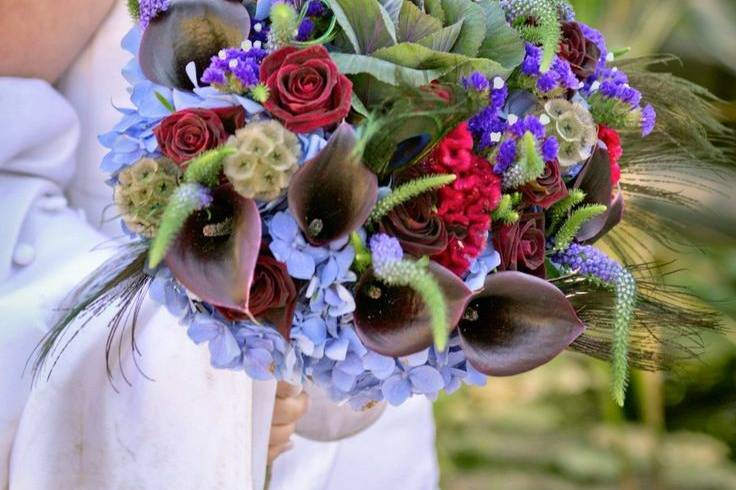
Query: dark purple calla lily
{"x":219,"y":269}
{"x":517,"y":323}
{"x":190,"y":30}
{"x":393,"y":321}
{"x":595,"y":181}
{"x":332,"y":194}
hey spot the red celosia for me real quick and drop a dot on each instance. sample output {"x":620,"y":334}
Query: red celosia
{"x":613,"y":142}
{"x":465,"y":205}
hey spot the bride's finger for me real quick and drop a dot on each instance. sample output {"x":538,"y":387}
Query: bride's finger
{"x":289,"y":410}
{"x":286,"y":390}
{"x":276,"y":451}
{"x":280,"y":434}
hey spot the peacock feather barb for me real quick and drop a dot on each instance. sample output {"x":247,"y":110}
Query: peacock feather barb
{"x":121,"y":283}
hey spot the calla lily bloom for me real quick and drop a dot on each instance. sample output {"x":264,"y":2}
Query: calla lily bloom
{"x":190,"y":30}
{"x":595,"y":181}
{"x":394,"y":321}
{"x":332,"y":194}
{"x":215,"y":258}
{"x":517,"y":323}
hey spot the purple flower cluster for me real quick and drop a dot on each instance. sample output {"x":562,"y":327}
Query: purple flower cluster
{"x":507,"y":151}
{"x":560,"y":74}
{"x":305,"y":30}
{"x":588,"y":261}
{"x":315,"y":9}
{"x":648,"y":120}
{"x":614,"y":84}
{"x":150,"y":9}
{"x":488,"y":122}
{"x":234,"y":64}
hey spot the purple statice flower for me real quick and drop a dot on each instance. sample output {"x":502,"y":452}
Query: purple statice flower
{"x":530,"y":124}
{"x":506,"y":157}
{"x":488,"y":121}
{"x":385,"y":251}
{"x":550,"y":149}
{"x":547,"y":82}
{"x":614,"y":84}
{"x":588,"y":261}
{"x":243,"y":65}
{"x":532,"y":63}
{"x":599,"y":40}
{"x":305,"y":29}
{"x":476,"y":81}
{"x":648,"y":120}
{"x":150,"y":9}
{"x":315,"y":9}
{"x":259,"y":33}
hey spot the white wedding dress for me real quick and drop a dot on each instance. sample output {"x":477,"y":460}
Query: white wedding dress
{"x":192,"y":427}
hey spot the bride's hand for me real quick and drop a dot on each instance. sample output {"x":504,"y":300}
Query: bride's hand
{"x":291,"y":404}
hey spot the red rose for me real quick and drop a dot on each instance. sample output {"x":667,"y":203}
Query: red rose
{"x":547,"y":189}
{"x":582,"y":53}
{"x":613,"y":143}
{"x":521,"y":245}
{"x":307,"y":91}
{"x":272,"y":294}
{"x":187,"y":133}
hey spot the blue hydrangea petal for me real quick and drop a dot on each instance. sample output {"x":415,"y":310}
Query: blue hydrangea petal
{"x":396,"y":389}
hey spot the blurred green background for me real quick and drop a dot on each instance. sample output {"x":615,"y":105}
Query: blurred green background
{"x":557,"y":428}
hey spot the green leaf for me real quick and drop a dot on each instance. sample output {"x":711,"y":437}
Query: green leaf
{"x":164,"y":102}
{"x":451,"y":66}
{"x":415,"y":24}
{"x":366,"y":23}
{"x":434,"y":8}
{"x":502,"y":43}
{"x":359,"y":107}
{"x":474,"y":25}
{"x":444,"y":39}
{"x":384,"y":70}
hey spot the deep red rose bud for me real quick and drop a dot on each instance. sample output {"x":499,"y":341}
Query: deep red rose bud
{"x":521,"y":245}
{"x":582,"y":53}
{"x":307,"y":90}
{"x":272,"y":294}
{"x":417,"y":226}
{"x":185,"y":134}
{"x":547,"y":189}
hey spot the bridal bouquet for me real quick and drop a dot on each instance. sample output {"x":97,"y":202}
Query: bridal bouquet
{"x":396,"y":197}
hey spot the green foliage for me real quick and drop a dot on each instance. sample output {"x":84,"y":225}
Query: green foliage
{"x":206,"y":168}
{"x":546,"y":30}
{"x":625,"y":288}
{"x":505,"y":211}
{"x":134,"y":9}
{"x":260,"y":93}
{"x":530,"y":162}
{"x":408,"y":191}
{"x":362,"y":255}
{"x":577,"y":219}
{"x":563,"y":207}
{"x":416,"y":275}
{"x":164,"y":102}
{"x":284,"y":23}
{"x":183,"y":202}
{"x":610,"y":112}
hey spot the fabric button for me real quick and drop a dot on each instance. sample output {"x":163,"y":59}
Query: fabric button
{"x":53,"y":203}
{"x":24,"y":254}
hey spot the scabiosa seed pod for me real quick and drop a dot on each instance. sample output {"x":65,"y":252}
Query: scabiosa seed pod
{"x":142,"y":192}
{"x":266,"y":158}
{"x":575,"y":129}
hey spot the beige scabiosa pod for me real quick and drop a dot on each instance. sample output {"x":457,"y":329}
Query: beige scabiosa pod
{"x":267,"y":156}
{"x":142,"y":192}
{"x":575,"y":129}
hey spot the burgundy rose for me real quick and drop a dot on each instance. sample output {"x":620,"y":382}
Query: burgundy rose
{"x":547,"y":189}
{"x":272,"y":294}
{"x":521,"y":245}
{"x":187,"y":133}
{"x":417,"y":227}
{"x":582,"y":53}
{"x":307,"y":90}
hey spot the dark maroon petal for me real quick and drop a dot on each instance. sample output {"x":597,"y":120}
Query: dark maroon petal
{"x":394,"y":321}
{"x":219,"y":270}
{"x":595,"y":181}
{"x":517,"y":323}
{"x":190,"y":30}
{"x":332,"y":194}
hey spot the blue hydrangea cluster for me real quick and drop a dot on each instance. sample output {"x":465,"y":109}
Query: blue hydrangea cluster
{"x":150,"y":9}
{"x":559,"y":76}
{"x":588,"y":261}
{"x":236,"y":66}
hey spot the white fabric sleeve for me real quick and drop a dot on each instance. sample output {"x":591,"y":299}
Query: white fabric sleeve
{"x":187,"y":427}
